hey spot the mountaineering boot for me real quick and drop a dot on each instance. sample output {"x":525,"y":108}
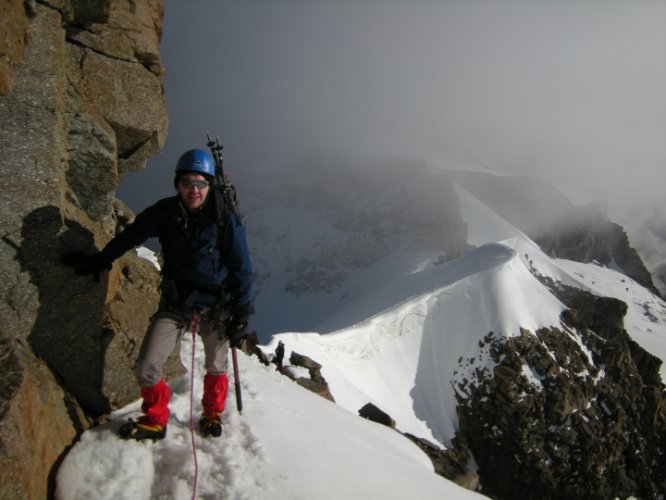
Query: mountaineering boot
{"x":214,"y":398}
{"x":153,"y":423}
{"x":140,"y":431}
{"x":210,"y":425}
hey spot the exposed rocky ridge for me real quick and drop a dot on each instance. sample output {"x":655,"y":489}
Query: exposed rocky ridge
{"x":572,"y":412}
{"x":81,"y":103}
{"x":315,"y":382}
{"x":588,"y":423}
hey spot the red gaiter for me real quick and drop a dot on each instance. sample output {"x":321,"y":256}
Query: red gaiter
{"x":214,"y":394}
{"x":156,"y":404}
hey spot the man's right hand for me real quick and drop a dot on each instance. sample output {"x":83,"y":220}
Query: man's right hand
{"x":236,"y":333}
{"x":84,"y":264}
{"x":236,"y":324}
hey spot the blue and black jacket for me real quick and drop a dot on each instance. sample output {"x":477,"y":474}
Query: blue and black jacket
{"x":199,"y":253}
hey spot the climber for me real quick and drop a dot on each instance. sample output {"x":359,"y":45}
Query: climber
{"x":206,"y":269}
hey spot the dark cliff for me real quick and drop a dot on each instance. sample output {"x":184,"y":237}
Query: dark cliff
{"x":81,"y":104}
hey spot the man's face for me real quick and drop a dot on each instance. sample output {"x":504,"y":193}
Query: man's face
{"x":193,"y":189}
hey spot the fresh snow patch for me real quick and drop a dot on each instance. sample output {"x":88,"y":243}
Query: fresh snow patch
{"x":149,"y":255}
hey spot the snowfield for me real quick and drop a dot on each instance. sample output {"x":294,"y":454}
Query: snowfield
{"x":287,"y":443}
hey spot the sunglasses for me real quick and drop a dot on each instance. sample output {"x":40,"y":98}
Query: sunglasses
{"x":190,"y":184}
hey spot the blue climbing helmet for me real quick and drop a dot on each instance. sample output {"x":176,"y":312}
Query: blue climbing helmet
{"x":195,"y":160}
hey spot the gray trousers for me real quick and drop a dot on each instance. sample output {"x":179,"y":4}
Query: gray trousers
{"x":164,"y":332}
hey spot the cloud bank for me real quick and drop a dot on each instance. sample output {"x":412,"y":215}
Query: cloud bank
{"x":574,"y":92}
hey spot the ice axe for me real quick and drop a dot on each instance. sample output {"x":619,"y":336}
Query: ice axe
{"x":237,"y":386}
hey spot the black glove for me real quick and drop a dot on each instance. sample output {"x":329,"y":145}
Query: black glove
{"x":236,"y":325}
{"x":84,"y":264}
{"x":236,"y":333}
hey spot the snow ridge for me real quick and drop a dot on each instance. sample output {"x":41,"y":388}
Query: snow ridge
{"x":398,"y":358}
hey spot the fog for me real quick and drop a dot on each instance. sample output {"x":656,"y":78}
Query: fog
{"x":570,"y":91}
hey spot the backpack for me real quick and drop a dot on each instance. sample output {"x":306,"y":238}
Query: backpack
{"x":226,"y":199}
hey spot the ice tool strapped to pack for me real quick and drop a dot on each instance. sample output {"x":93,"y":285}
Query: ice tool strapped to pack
{"x":225,"y":194}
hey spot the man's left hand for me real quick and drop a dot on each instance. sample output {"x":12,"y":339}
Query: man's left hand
{"x":236,"y":332}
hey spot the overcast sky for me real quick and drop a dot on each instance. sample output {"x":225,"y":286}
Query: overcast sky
{"x":571,"y":90}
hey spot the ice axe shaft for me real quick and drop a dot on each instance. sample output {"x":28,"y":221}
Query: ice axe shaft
{"x":237,"y":386}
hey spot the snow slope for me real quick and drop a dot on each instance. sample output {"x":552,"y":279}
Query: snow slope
{"x":287,"y":444}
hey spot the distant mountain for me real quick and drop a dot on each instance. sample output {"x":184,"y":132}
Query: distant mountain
{"x":316,"y":229}
{"x":583,"y":233}
{"x":646,"y":228}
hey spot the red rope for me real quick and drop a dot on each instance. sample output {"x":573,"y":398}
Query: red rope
{"x":194,"y":327}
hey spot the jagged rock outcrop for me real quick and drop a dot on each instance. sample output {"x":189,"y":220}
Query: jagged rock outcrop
{"x":315,"y":382}
{"x":571,"y":412}
{"x":447,"y":463}
{"x":588,"y":236}
{"x":81,"y":103}
{"x":371,"y":412}
{"x":450,"y":463}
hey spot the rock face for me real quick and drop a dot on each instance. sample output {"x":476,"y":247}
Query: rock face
{"x":589,"y":236}
{"x":590,"y":422}
{"x":14,"y":26}
{"x":81,"y":104}
{"x":315,"y":382}
{"x":371,"y":412}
